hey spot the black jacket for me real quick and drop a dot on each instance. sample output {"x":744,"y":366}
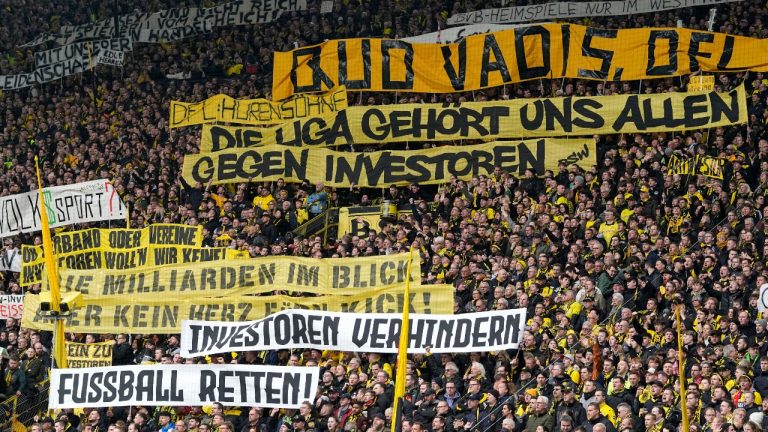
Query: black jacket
{"x":122,"y":355}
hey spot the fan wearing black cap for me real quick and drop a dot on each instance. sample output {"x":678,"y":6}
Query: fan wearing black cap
{"x":298,"y":424}
{"x":426,"y":407}
{"x":570,"y":405}
{"x":492,"y":409}
{"x":475,"y":412}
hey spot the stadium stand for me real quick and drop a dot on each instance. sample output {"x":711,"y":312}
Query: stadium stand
{"x":599,"y":256}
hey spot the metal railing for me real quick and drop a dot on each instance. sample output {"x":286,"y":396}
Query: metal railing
{"x":19,"y":411}
{"x":325,"y":224}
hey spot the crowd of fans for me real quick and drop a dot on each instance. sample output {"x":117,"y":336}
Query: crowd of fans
{"x":599,"y":256}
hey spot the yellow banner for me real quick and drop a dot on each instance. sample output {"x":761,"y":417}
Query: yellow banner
{"x":244,"y":277}
{"x":517,"y":118}
{"x":701,"y":83}
{"x":80,"y":355}
{"x":708,"y":166}
{"x":122,"y":238}
{"x":361,"y":221}
{"x":383,"y":168}
{"x":147,"y":315}
{"x":117,"y":247}
{"x":108,"y":258}
{"x":223,"y":108}
{"x":677,"y":165}
{"x":492,"y":59}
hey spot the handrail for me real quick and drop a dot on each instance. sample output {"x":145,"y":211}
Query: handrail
{"x":12,"y":412}
{"x":322,"y":224}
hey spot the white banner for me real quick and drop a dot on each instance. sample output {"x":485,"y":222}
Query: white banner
{"x":326,"y":6}
{"x":174,"y":24}
{"x":572,"y":9}
{"x":762,"y":305}
{"x":455,"y":34}
{"x":113,"y":36}
{"x":183,"y":385}
{"x":79,"y":50}
{"x":11,"y":306}
{"x":52,"y":72}
{"x":112,"y":58}
{"x":369,"y":332}
{"x":92,"y":201}
{"x":48,"y":73}
{"x":10,"y":261}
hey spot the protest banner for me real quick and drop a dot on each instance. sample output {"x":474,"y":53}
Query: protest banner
{"x":10,"y":260}
{"x":572,"y":9}
{"x":455,"y":34}
{"x":160,"y":27}
{"x":549,"y":51}
{"x":361,"y":221}
{"x":223,"y":108}
{"x":81,"y":49}
{"x":112,"y":58}
{"x":83,"y":355}
{"x":185,"y":385}
{"x":292,"y":329}
{"x":56,"y":71}
{"x":163,"y":313}
{"x":375,"y":169}
{"x":173,"y":24}
{"x":114,"y":248}
{"x":326,"y":6}
{"x":108,"y":258}
{"x":245,"y":277}
{"x":517,"y":118}
{"x":701,"y":83}
{"x":93,"y":201}
{"x":11,"y":306}
{"x":678,"y":165}
{"x":118,"y":238}
{"x":708,"y":166}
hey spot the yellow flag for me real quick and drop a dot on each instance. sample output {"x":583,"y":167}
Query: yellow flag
{"x":59,"y":353}
{"x":402,"y":350}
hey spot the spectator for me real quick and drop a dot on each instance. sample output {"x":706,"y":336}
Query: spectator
{"x":121,"y":353}
{"x":16,"y":382}
{"x":166,"y":425}
{"x":540,"y":415}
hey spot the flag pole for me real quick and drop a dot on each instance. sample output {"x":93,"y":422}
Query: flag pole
{"x":58,"y":354}
{"x":681,"y":367}
{"x":402,"y":350}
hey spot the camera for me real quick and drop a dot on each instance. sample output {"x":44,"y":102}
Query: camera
{"x":69,"y":302}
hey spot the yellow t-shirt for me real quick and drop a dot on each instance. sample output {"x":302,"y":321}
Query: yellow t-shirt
{"x":608,"y":231}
